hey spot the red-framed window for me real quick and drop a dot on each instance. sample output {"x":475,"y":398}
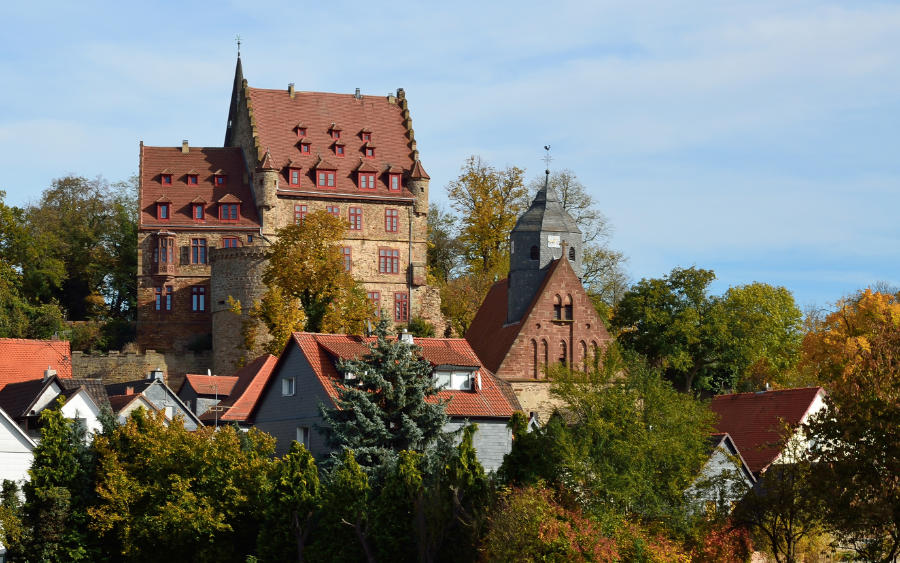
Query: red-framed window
{"x":293,"y":176}
{"x":335,"y":133}
{"x":366,"y":136}
{"x":229,"y":211}
{"x":219,"y":179}
{"x":304,"y":148}
{"x":370,"y":152}
{"x":192,"y":179}
{"x":163,"y":211}
{"x":356,"y":218}
{"x":388,"y":261}
{"x":347,"y":256}
{"x":339,"y":150}
{"x":375,"y":300}
{"x":300,"y":212}
{"x":325,"y":178}
{"x":198,"y":212}
{"x":230,"y":242}
{"x":301,"y":132}
{"x":394,"y":182}
{"x":367,"y":180}
{"x":391,"y":217}
{"x":198,"y":251}
{"x":164,"y":252}
{"x":334,"y":210}
{"x":401,"y":307}
{"x":198,"y":298}
{"x":165,"y":179}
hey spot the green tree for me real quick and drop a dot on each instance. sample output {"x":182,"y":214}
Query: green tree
{"x":444,"y":248}
{"x":855,"y":443}
{"x":305,"y":264}
{"x":704,"y":342}
{"x":490,"y":201}
{"x":383,"y":409}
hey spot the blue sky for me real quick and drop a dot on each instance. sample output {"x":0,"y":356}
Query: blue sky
{"x":758,"y":139}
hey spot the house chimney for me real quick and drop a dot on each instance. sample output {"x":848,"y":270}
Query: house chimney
{"x":406,"y":337}
{"x":356,"y":95}
{"x":291,"y":89}
{"x":184,"y":147}
{"x":48,"y":373}
{"x":156,"y":375}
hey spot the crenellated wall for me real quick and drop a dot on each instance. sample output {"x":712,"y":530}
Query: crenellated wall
{"x":116,"y":367}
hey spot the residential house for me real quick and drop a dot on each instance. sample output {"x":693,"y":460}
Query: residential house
{"x":755,"y":421}
{"x":124,"y":405}
{"x":236,"y":408}
{"x":16,"y":450}
{"x":82,"y":400}
{"x":306,"y":375}
{"x":200,"y":392}
{"x":725,"y":477}
{"x":158,"y":394}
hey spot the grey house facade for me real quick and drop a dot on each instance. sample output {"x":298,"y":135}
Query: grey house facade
{"x":305,"y":377}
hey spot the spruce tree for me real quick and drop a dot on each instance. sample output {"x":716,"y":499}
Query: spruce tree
{"x":384,"y":409}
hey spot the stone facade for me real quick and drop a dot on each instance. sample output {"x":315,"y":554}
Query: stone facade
{"x":118,"y":367}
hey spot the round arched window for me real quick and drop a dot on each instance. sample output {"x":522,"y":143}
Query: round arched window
{"x":572,"y":253}
{"x":535,"y":253}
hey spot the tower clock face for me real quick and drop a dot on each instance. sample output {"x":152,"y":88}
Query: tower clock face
{"x":552,"y":241}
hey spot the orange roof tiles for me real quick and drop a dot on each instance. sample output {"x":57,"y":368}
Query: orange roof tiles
{"x":24,"y":360}
{"x":209,"y":162}
{"x":250,"y":381}
{"x":275,"y":115}
{"x":491,"y":400}
{"x":210,"y":384}
{"x":754,"y":420}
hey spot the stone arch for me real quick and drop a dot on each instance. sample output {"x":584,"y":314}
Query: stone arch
{"x":584,"y":355}
{"x":567,"y":304}
{"x":557,"y":307}
{"x":546,"y":351}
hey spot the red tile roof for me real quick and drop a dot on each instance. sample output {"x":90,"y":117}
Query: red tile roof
{"x":210,"y":384}
{"x":24,"y":360}
{"x":754,"y":420}
{"x":249,"y":383}
{"x":276,"y":115}
{"x":492,"y":400}
{"x":208,"y":161}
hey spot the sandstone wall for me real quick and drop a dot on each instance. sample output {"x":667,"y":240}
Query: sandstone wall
{"x":117,"y":367}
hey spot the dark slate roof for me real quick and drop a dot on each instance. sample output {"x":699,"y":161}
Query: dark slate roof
{"x":137,"y":386}
{"x":94,"y":387}
{"x":546,"y":214}
{"x":16,"y":397}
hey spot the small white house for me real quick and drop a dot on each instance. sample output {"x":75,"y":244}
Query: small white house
{"x":16,"y":450}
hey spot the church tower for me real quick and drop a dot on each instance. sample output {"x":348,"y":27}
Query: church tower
{"x":542,"y":234}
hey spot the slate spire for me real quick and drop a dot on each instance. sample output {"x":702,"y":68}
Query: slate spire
{"x":235,"y":98}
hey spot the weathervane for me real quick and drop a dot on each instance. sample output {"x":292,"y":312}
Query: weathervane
{"x":238,"y":39}
{"x":547,"y":158}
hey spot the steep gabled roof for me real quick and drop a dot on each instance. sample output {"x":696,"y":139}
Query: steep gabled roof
{"x":724,"y":441}
{"x":25,"y":360}
{"x":250,"y":381}
{"x":492,"y":400}
{"x":208,"y":161}
{"x":754,"y":420}
{"x":275,"y":115}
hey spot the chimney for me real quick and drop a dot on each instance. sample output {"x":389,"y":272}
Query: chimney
{"x":184,"y":147}
{"x":356,"y":95}
{"x":129,"y":390}
{"x":406,"y":337}
{"x":291,"y":89}
{"x":48,"y":373}
{"x":156,"y":375}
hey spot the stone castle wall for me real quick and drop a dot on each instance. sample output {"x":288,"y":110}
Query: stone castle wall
{"x":117,"y":367}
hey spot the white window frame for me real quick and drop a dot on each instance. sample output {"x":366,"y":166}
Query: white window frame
{"x":288,"y":387}
{"x":303,"y":436}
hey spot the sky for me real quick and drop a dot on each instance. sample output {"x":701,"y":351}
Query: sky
{"x":757,"y":139}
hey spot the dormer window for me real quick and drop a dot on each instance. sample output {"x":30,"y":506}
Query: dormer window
{"x":163,"y":211}
{"x":219,"y":178}
{"x":165,"y":179}
{"x":197,"y":211}
{"x":301,"y":130}
{"x":193,"y":179}
{"x":369,"y":151}
{"x":394,"y":182}
{"x":367,"y":180}
{"x":454,"y":380}
{"x":293,"y":176}
{"x":335,"y":131}
{"x":325,"y":178}
{"x":339,"y":149}
{"x":229,"y":211}
{"x":366,"y":135}
{"x":304,"y":145}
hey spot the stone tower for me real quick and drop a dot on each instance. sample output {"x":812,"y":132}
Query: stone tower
{"x":542,"y":234}
{"x":265,"y":188}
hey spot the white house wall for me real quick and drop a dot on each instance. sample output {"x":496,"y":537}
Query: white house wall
{"x":492,"y":440}
{"x":80,"y":406}
{"x":15,"y":452}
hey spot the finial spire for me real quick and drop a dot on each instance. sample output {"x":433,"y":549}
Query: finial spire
{"x":237,"y":38}
{"x":547,"y":160}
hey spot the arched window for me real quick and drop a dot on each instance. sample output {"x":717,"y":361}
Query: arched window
{"x":596,"y":351}
{"x":534,"y":362}
{"x":535,"y":253}
{"x":584,"y":358}
{"x":563,"y":353}
{"x":572,"y":253}
{"x":568,"y":307}
{"x":546,"y":355}
{"x":557,"y":308}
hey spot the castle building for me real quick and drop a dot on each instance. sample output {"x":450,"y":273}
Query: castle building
{"x":207,"y":215}
{"x":541,"y":314}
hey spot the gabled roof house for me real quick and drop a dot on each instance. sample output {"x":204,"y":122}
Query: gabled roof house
{"x":245,"y":393}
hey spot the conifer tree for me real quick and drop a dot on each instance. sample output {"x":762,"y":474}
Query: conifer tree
{"x":383,"y":410}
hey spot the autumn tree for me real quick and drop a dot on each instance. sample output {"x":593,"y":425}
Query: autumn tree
{"x":489,"y":201}
{"x":444,"y":247}
{"x":856,"y":445}
{"x":306,"y":269}
{"x":706,"y":342}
